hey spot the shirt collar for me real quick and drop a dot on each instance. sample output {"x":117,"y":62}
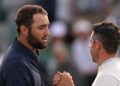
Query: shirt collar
{"x":19,"y":46}
{"x":107,"y":62}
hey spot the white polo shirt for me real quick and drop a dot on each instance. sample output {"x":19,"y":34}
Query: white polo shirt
{"x":108,"y":73}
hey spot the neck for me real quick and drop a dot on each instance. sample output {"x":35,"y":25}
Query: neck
{"x":104,"y":57}
{"x":27,"y":44}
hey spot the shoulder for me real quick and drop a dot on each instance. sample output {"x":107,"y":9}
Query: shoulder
{"x":12,"y":60}
{"x":16,"y":73}
{"x":14,"y":67}
{"x":106,"y":79}
{"x":14,"y":64}
{"x":13,"y":56}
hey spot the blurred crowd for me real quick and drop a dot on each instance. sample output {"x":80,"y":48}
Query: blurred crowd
{"x":71,"y":25}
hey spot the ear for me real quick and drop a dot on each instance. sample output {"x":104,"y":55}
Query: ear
{"x":24,"y":30}
{"x":98,"y":45}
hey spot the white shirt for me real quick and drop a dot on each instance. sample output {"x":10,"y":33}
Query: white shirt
{"x":108,"y":73}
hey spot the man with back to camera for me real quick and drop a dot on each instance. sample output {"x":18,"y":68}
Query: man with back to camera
{"x":104,"y":43}
{"x":20,"y":66}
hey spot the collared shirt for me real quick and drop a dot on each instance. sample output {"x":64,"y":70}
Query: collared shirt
{"x":108,"y":73}
{"x":21,"y":67}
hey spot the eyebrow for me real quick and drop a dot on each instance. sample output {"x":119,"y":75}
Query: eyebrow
{"x":45,"y":24}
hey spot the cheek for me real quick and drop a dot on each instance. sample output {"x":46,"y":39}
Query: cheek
{"x":92,"y":49}
{"x":38,"y":34}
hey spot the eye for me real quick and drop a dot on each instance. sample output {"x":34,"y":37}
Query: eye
{"x":42,"y":27}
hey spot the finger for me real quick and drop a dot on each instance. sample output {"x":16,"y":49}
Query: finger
{"x":67,"y":75}
{"x":55,"y":83}
{"x":59,"y":73}
{"x":56,"y":79}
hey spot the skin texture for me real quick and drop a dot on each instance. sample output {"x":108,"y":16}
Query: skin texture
{"x":98,"y":53}
{"x":63,"y":79}
{"x":93,"y":48}
{"x":37,"y":37}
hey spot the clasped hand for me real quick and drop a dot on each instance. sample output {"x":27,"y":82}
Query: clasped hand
{"x":63,"y":79}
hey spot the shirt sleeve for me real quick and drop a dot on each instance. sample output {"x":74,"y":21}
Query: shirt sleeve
{"x":17,"y":75}
{"x":106,"y":80}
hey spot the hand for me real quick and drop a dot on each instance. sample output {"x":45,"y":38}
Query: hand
{"x":57,"y":78}
{"x":65,"y":80}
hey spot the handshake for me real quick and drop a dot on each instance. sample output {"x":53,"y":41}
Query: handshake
{"x":63,"y":79}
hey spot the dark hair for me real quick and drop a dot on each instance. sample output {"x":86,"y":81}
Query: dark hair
{"x":108,"y":34}
{"x":25,"y":15}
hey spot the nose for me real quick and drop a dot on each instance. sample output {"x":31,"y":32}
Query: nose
{"x":47,"y":31}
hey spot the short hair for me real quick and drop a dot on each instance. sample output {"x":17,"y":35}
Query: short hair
{"x":25,"y":15}
{"x":108,"y":34}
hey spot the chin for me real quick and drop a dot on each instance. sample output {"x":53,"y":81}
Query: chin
{"x":43,"y":47}
{"x":45,"y":44}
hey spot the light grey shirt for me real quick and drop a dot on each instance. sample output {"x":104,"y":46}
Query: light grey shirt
{"x":108,"y":73}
